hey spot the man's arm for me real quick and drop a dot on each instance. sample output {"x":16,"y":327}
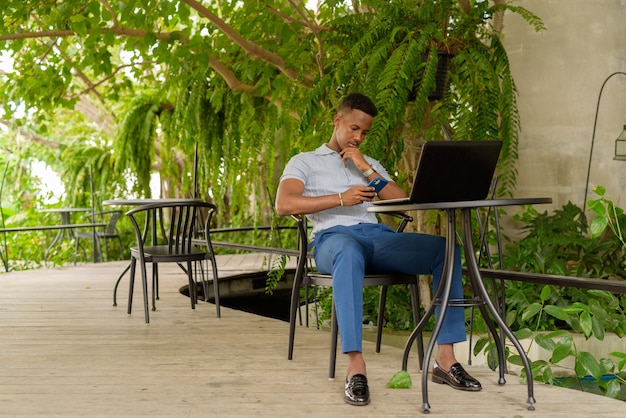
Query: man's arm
{"x":290,"y":201}
{"x":390,"y":191}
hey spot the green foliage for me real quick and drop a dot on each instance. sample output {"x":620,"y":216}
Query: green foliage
{"x":134,"y":145}
{"x":557,"y":243}
{"x":608,"y":215}
{"x":251,"y":83}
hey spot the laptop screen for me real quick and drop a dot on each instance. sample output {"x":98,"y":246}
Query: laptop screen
{"x":454,"y":171}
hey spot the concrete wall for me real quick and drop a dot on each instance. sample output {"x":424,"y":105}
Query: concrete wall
{"x":559,"y":73}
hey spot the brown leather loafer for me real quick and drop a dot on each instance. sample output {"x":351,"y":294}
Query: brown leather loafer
{"x":457,"y":378}
{"x":357,"y":393}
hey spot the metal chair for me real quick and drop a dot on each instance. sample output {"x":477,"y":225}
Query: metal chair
{"x":110,"y":217}
{"x":304,"y":277}
{"x":173,"y":226}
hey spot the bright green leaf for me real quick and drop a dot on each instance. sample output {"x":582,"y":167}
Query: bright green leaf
{"x":598,"y":225}
{"x":586,"y":323}
{"x":599,"y":190}
{"x":532,"y":310}
{"x":546,"y":343}
{"x":597,"y":328}
{"x":556,"y":312}
{"x":562,"y":350}
{"x":613,"y":388}
{"x":523,"y":333}
{"x":400,"y":380}
{"x":590,"y":364}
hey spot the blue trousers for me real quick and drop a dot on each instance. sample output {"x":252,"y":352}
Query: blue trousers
{"x":347,"y":252}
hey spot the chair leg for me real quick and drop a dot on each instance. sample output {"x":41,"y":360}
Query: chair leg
{"x":382,"y":302}
{"x":131,"y":284}
{"x":117,"y":283}
{"x":200,"y":270}
{"x":121,"y":248}
{"x":415,"y":303}
{"x":193,"y":292}
{"x":293,"y":311}
{"x":98,"y":250}
{"x":105,"y":256}
{"x":144,"y":283}
{"x":216,"y":288}
{"x":75,"y":249}
{"x":155,"y":284}
{"x":333,"y":343}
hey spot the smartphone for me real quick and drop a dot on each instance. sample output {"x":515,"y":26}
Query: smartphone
{"x":378,"y":183}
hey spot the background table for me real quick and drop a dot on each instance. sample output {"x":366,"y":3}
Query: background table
{"x":481,"y":296}
{"x":66,"y":232}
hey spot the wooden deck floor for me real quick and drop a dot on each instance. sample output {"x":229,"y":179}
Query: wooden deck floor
{"x":65,"y":351}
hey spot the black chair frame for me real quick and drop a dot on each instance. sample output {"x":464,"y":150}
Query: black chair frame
{"x":102,"y":236}
{"x":172,"y":236}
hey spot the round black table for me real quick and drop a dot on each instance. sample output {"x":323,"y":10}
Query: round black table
{"x":65,"y":220}
{"x":481,"y":296}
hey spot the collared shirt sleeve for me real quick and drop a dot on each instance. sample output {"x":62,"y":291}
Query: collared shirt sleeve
{"x":323,"y":172}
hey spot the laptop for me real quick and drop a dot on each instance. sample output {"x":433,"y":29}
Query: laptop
{"x":452,"y":171}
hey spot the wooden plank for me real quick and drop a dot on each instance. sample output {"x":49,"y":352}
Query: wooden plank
{"x":66,"y":352}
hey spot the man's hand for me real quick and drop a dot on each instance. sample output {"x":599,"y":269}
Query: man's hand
{"x":356,"y":195}
{"x":356,"y":156}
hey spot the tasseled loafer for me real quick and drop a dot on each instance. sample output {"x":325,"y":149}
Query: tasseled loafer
{"x":457,"y":378}
{"x":357,"y":392}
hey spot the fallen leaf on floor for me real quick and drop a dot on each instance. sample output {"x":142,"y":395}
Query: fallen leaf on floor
{"x":400,"y":380}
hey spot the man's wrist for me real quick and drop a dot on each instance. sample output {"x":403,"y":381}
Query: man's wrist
{"x":369,"y":171}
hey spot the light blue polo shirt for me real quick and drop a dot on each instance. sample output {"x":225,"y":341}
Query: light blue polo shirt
{"x":323,"y":172}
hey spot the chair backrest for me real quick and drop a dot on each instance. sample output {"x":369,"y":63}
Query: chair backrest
{"x":113,"y":216}
{"x":174,"y":221}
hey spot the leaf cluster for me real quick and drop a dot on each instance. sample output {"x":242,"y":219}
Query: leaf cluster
{"x":251,"y":83}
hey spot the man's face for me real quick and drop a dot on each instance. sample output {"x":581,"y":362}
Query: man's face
{"x":351,"y":127}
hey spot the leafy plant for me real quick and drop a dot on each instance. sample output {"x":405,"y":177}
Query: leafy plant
{"x":609,"y":216}
{"x":251,"y":83}
{"x":558,"y":243}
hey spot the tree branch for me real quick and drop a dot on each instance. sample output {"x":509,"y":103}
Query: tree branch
{"x":32,"y":137}
{"x":228,"y":76}
{"x":138,"y":33}
{"x":315,"y":29}
{"x":465,"y":6}
{"x":103,"y":119}
{"x":256,"y":51}
{"x":115,"y":71}
{"x":107,"y":6}
{"x":79,"y":72}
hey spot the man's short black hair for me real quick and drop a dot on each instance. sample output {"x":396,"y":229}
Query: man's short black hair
{"x":360,"y":102}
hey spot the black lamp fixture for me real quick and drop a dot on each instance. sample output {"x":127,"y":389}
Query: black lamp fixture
{"x":620,"y":142}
